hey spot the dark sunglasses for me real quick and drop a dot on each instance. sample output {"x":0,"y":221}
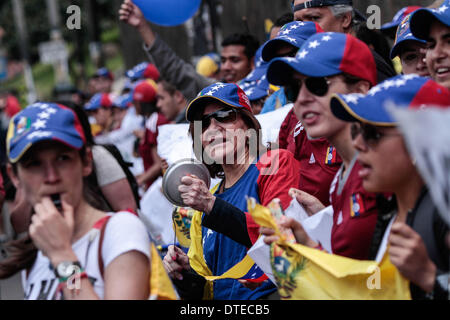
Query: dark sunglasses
{"x":370,"y":134}
{"x":317,"y":86}
{"x":222,"y":116}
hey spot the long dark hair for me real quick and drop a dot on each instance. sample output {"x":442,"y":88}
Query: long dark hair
{"x":215,"y":169}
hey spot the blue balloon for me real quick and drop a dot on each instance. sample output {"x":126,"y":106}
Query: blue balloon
{"x":168,"y":12}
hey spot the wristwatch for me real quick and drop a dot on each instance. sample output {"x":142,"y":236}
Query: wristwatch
{"x":66,"y":269}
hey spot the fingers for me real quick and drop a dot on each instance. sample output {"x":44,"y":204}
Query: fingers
{"x":271,"y":239}
{"x":175,"y":261}
{"x":266,"y":231}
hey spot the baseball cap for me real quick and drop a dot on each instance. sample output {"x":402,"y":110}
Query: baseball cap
{"x":403,"y":34}
{"x":294,"y":33}
{"x":208,"y":64}
{"x":229,"y":94}
{"x":143,"y":70}
{"x":323,"y":55}
{"x":99,"y":100}
{"x":105,"y":73}
{"x":421,"y":19}
{"x":258,"y":91}
{"x":399,"y":17}
{"x":405,"y":91}
{"x":43,"y":121}
{"x":145,"y":91}
{"x":320,"y":3}
{"x":123,"y":101}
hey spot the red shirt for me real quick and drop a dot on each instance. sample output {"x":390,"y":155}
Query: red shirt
{"x":319,"y":161}
{"x":354,"y":217}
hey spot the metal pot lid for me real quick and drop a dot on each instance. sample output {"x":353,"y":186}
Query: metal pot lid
{"x":179,"y":169}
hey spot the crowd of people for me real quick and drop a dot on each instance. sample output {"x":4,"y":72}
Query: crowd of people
{"x":74,"y":172}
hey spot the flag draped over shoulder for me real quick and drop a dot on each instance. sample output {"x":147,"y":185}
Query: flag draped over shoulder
{"x":306,"y":273}
{"x":161,"y":287}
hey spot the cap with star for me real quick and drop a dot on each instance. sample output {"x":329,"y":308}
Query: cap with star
{"x":403,"y":34}
{"x":40,"y":122}
{"x":99,"y":100}
{"x":229,"y":94}
{"x":399,"y":17}
{"x":404,"y":91}
{"x":293,"y":33}
{"x":422,"y":19}
{"x":143,"y":70}
{"x":324,"y":55}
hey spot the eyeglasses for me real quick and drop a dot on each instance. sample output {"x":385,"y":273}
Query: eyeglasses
{"x":370,"y":134}
{"x":222,"y":116}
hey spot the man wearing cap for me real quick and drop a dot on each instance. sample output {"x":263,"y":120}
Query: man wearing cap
{"x":144,"y":99}
{"x":410,"y":50}
{"x":102,"y":81}
{"x":337,"y":16}
{"x":237,"y":55}
{"x":390,"y":28}
{"x":416,"y":242}
{"x":99,"y":108}
{"x":286,"y":44}
{"x":433,"y":25}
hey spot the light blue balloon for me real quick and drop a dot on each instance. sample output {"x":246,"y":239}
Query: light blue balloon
{"x":168,"y":12}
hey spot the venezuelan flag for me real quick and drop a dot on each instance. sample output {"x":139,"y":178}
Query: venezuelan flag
{"x":356,"y":205}
{"x":331,"y":155}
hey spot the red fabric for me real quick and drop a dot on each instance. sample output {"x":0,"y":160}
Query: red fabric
{"x":352,"y":236}
{"x":287,"y":129}
{"x":358,"y":60}
{"x":149,"y":142}
{"x":12,"y":106}
{"x":278,"y":174}
{"x":431,"y":94}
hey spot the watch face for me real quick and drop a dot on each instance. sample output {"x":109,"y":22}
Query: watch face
{"x":67,"y":268}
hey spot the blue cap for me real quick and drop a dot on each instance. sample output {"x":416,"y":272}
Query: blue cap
{"x":143,"y":70}
{"x":259,"y":72}
{"x":123,"y":101}
{"x":97,"y":101}
{"x":421,"y":19}
{"x":323,"y":55}
{"x":399,"y":17}
{"x":229,"y":94}
{"x":405,"y":91}
{"x":403,"y":34}
{"x":258,"y":91}
{"x":293,"y":33}
{"x":104,"y":72}
{"x":43,"y":121}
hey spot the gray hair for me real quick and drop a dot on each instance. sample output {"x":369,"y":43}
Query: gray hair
{"x":340,"y":9}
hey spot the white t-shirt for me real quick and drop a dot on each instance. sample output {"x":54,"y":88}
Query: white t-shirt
{"x":124,"y":232}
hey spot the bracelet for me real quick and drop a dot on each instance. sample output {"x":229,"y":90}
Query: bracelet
{"x":74,"y":287}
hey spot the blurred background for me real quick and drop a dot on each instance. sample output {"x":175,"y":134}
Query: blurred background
{"x":40,"y":54}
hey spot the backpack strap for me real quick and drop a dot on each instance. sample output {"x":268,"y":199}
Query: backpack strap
{"x":101,"y":225}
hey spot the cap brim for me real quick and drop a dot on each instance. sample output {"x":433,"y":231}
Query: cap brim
{"x":23,"y":146}
{"x":270,"y":48}
{"x":200,"y":102}
{"x":280,"y":71}
{"x":421,"y":22}
{"x":372,"y":114}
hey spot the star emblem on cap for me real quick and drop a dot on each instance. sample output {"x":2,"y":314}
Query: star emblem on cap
{"x":326,"y":38}
{"x":302,"y":54}
{"x":314,"y":44}
{"x":39,"y":134}
{"x":39,"y":124}
{"x":43,"y":115}
{"x":442,"y":9}
{"x":353,"y":98}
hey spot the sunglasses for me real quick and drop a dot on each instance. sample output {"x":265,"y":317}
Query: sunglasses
{"x":370,"y":134}
{"x":317,"y":86}
{"x":221,"y":116}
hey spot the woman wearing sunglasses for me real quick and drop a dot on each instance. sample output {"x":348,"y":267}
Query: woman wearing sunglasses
{"x":227,"y":138}
{"x":49,"y":162}
{"x":417,"y":245}
{"x":334,"y":63}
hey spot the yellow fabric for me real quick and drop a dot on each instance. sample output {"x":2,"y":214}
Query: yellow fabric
{"x":198,"y":263}
{"x":397,"y":65}
{"x":161,"y":287}
{"x":182,"y":219}
{"x":306,"y":273}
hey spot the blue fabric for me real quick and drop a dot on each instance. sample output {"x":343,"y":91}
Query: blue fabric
{"x":221,"y":253}
{"x":277,"y":98}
